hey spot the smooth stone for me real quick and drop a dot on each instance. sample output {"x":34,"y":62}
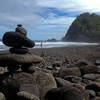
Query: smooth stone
{"x":88,"y":69}
{"x":15,"y":39}
{"x":2,"y":96}
{"x":64,"y":93}
{"x":21,"y":30}
{"x":28,"y":68}
{"x":17,"y":59}
{"x":44,"y":80}
{"x":62,"y":83}
{"x":19,"y":50}
{"x":37,"y":83}
{"x":23,"y":95}
{"x":91,"y":93}
{"x":69,"y":71}
{"x":91,"y":76}
{"x":82,"y":63}
{"x":41,"y":80}
{"x":73,"y":79}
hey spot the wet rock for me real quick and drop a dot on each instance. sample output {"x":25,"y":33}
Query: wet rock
{"x":23,"y":95}
{"x":64,"y":93}
{"x":15,"y":39}
{"x":62,"y":83}
{"x":73,"y":79}
{"x":69,"y":71}
{"x":2,"y":96}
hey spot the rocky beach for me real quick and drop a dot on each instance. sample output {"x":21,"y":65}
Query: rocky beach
{"x":65,"y":73}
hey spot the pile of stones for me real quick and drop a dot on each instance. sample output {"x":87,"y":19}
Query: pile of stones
{"x":38,"y":83}
{"x":18,"y":55}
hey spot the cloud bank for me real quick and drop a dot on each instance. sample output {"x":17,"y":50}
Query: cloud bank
{"x":43,"y":18}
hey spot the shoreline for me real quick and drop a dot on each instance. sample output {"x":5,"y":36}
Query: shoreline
{"x":69,"y":51}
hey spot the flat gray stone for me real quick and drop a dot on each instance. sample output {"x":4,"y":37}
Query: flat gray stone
{"x":13,"y":59}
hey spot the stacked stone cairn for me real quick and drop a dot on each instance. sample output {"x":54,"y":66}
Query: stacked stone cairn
{"x":31,"y":83}
{"x":18,"y":55}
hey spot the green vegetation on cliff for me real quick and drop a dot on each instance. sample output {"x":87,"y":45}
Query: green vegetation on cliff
{"x":85,"y":27}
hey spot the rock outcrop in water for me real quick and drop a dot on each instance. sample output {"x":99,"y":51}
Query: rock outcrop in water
{"x":85,"y":28}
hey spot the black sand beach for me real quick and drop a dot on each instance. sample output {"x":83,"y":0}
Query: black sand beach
{"x":71,"y":52}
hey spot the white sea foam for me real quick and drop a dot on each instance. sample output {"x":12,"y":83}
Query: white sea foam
{"x":61,"y":44}
{"x":52,"y":44}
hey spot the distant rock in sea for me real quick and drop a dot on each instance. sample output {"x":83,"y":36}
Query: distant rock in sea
{"x":85,"y":28}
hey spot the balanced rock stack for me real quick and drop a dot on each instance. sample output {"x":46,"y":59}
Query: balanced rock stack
{"x":19,"y":54}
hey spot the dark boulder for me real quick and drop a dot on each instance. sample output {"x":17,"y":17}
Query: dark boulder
{"x":9,"y":87}
{"x":36,"y":84}
{"x":94,"y":86}
{"x":64,"y":93}
{"x":15,"y":39}
{"x":88,"y":69}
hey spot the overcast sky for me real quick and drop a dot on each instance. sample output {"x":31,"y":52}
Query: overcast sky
{"x":43,"y":19}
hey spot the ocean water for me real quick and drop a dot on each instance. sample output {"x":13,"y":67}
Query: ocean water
{"x":52,"y":44}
